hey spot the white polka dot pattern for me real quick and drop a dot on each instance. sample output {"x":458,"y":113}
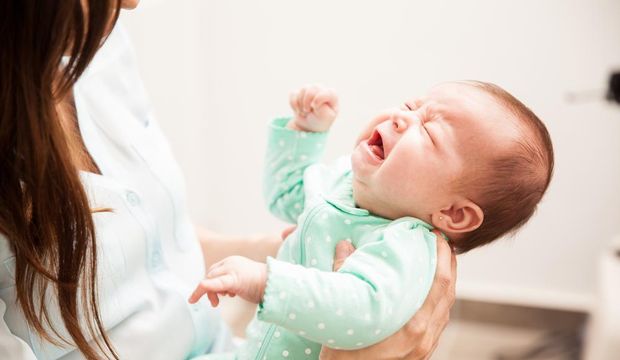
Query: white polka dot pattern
{"x":309,"y":301}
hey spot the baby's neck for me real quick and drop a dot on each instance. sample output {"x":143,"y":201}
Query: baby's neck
{"x":363,"y":199}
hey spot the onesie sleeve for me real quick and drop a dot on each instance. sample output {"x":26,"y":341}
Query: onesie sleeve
{"x":376,"y":291}
{"x":289,"y":154}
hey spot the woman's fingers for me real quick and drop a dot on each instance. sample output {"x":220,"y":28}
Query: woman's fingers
{"x":435,"y":334}
{"x":343,"y":250}
{"x":427,"y":357}
{"x":432,"y":318}
{"x":419,"y":337}
{"x":445,"y":277}
{"x":286,"y":232}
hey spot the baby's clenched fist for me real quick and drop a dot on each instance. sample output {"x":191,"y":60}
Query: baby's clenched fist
{"x":315,"y":108}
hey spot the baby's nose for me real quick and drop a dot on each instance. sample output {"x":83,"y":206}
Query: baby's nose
{"x":400,"y":121}
{"x":399,"y":124}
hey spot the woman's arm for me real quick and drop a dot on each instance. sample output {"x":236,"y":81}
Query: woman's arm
{"x":419,"y":337}
{"x":415,"y":341}
{"x":216,"y":247}
{"x":366,"y":295}
{"x":369,"y":294}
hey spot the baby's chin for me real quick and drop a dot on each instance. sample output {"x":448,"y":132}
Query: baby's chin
{"x":365,"y":197}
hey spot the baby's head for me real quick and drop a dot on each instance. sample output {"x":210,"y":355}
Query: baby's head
{"x":468,"y":158}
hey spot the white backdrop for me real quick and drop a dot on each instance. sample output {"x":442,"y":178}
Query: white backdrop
{"x":218,"y":70}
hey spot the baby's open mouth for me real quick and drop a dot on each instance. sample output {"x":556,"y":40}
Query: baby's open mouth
{"x":375,"y":143}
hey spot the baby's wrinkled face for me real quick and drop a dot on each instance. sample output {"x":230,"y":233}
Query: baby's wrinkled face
{"x":409,"y":160}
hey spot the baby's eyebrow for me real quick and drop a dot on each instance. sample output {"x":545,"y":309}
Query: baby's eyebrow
{"x":414,"y":105}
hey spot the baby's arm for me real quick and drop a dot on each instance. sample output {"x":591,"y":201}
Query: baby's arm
{"x":293,"y":145}
{"x":375,"y":292}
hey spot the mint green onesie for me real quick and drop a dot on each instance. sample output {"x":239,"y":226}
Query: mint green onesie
{"x":306,"y":305}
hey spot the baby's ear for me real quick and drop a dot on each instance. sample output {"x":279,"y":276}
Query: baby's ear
{"x":461,"y":217}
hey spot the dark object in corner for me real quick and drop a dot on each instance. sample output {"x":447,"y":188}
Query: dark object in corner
{"x":613,"y":92}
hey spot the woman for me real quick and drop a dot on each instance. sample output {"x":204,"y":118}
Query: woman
{"x":97,"y":251}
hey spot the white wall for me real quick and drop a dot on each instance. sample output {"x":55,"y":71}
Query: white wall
{"x":218,"y":70}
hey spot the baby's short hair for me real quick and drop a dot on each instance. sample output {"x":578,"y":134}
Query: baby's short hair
{"x":513,"y":183}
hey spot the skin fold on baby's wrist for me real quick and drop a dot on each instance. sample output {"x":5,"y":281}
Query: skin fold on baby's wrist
{"x":293,"y":125}
{"x":262,"y":285}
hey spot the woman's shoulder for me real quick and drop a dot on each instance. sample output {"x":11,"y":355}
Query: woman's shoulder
{"x":116,"y":48}
{"x":110,"y":93}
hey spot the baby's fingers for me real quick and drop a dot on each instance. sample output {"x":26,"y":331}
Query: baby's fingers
{"x":213,"y":298}
{"x":325,"y":97}
{"x":308,"y":97}
{"x":217,"y":271}
{"x":293,"y":100}
{"x":220,"y":284}
{"x":299,"y":101}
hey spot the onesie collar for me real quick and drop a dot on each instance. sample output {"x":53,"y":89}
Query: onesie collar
{"x":347,"y":208}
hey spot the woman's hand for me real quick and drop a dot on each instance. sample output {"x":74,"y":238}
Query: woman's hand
{"x":419,"y":337}
{"x":216,"y":246}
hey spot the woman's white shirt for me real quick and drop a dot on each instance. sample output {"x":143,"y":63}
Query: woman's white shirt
{"x":148,"y":254}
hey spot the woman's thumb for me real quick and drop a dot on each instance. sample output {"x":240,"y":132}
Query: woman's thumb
{"x":343,"y":250}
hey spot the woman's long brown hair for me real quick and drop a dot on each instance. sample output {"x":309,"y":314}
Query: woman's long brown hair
{"x":44,"y":211}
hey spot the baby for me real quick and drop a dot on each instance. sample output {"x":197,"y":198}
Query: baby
{"x":468,"y":159}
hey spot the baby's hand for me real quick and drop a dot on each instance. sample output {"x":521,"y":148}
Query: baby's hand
{"x":235,"y":275}
{"x":315,"y":108}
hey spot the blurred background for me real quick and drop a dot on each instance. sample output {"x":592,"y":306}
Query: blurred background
{"x":217,"y":71}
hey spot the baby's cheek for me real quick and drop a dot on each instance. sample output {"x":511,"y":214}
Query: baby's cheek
{"x":415,"y":182}
{"x":398,"y":183}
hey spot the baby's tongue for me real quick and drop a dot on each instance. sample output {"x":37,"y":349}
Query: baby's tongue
{"x":378,"y":150}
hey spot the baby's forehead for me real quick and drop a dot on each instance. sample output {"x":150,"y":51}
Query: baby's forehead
{"x":442,"y":94}
{"x":473,"y":114}
{"x":456,"y":100}
{"x":452,"y":93}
